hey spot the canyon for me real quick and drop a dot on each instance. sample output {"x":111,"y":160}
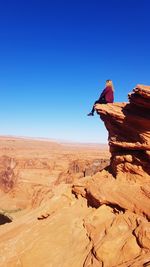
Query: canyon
{"x":80,"y":205}
{"x":31,"y":169}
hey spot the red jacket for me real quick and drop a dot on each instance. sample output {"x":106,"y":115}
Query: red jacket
{"x":108,"y":94}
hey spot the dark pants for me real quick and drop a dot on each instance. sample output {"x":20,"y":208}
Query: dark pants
{"x":99,"y":101}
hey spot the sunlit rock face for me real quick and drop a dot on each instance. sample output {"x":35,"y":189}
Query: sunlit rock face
{"x":128,"y":125}
{"x":119,"y":229}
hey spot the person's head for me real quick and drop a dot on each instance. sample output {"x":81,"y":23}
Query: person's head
{"x":110,"y":83}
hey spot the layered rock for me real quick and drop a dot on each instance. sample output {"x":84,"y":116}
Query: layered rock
{"x":120,"y":228}
{"x":128,"y":125}
{"x":81,"y":168}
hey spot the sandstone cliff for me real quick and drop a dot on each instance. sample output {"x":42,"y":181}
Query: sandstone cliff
{"x":123,"y":239}
{"x":128,"y":125}
{"x":101,"y":220}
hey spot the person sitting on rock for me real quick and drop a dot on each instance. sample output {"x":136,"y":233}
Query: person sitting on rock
{"x":107,"y":96}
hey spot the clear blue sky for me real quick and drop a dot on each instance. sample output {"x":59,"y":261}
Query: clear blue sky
{"x":55,"y":57}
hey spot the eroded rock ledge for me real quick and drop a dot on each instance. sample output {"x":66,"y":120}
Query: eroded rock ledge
{"x":119,"y":230}
{"x":128,"y":125}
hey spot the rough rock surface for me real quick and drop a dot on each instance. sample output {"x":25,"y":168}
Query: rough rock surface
{"x":128,"y":125}
{"x":82,"y":168}
{"x":101,"y":220}
{"x":123,"y":238}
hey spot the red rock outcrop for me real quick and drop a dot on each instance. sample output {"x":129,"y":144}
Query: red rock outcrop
{"x":128,"y":125}
{"x":120,"y":236}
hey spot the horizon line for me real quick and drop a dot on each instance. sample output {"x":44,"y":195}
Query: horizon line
{"x":49,"y":139}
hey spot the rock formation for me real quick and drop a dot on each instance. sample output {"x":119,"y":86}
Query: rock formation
{"x":124,"y":192}
{"x":128,"y":125}
{"x":101,"y":220}
{"x":80,"y":168}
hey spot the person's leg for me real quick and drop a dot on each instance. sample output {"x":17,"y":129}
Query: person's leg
{"x":93,"y":110}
